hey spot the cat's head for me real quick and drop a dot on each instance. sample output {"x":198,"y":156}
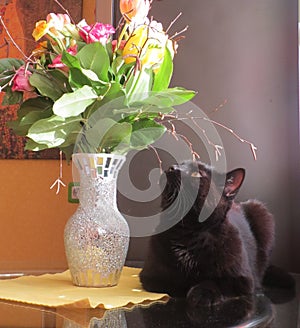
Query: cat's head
{"x":193,"y":186}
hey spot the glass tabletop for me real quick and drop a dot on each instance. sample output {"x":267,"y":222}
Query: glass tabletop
{"x":275,"y":309}
{"x":240,"y":312}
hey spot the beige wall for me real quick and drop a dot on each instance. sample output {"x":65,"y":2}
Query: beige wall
{"x":32,"y":216}
{"x":246,"y":52}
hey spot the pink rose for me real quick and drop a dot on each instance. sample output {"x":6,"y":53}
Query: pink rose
{"x":57,"y":63}
{"x":21,"y":80}
{"x":95,"y":33}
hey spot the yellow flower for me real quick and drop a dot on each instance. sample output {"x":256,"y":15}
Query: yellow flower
{"x":134,"y":9}
{"x":146,"y":44}
{"x":41,"y":29}
{"x":59,"y":30}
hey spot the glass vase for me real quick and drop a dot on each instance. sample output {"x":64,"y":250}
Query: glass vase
{"x":97,"y":235}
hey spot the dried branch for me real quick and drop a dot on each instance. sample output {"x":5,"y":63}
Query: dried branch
{"x":12,"y":40}
{"x":252,"y":146}
{"x":65,"y":10}
{"x":158,"y":158}
{"x":178,"y":33}
{"x":170,"y":118}
{"x":217,"y":148}
{"x":172,"y":22}
{"x":177,"y":135}
{"x":219,"y":107}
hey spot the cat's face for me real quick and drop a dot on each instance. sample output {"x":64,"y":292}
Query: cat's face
{"x":193,"y":185}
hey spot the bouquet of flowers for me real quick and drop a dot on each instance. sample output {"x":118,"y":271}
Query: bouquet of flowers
{"x":78,"y":70}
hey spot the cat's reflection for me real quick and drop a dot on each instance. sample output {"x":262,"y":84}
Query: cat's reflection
{"x":237,"y":312}
{"x":177,"y":313}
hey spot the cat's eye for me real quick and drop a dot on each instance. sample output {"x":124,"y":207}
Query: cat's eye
{"x":196,"y":174}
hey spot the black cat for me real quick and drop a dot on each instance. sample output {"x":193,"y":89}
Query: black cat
{"x":223,"y":257}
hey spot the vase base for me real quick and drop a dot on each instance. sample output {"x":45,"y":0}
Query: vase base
{"x":90,"y":278}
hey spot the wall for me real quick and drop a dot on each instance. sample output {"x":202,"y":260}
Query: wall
{"x":32,"y":216}
{"x":246,"y":52}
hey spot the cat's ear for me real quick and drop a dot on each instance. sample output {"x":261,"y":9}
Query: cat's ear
{"x":234,"y":180}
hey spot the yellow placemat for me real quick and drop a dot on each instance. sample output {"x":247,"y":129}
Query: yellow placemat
{"x":55,"y":290}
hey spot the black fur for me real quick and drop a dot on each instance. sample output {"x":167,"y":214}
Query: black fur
{"x":208,"y":262}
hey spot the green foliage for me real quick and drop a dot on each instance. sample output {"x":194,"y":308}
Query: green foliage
{"x":100,"y":102}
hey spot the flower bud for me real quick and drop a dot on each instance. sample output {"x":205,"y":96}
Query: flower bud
{"x":136,"y":10}
{"x":21,"y":80}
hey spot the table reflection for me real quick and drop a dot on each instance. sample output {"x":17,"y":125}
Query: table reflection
{"x":241,"y":312}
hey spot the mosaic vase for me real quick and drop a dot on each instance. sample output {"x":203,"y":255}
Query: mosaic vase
{"x":97,"y":235}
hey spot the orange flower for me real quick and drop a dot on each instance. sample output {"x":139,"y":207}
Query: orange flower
{"x":40,"y":49}
{"x":41,"y":29}
{"x":134,"y":9}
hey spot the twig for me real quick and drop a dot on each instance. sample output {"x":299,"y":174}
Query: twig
{"x":158,"y":157}
{"x":180,"y":32}
{"x":173,"y":21}
{"x":252,"y":146}
{"x":219,"y":107}
{"x":65,"y":10}
{"x":177,"y":135}
{"x":58,"y":182}
{"x":12,"y":40}
{"x":217,"y":148}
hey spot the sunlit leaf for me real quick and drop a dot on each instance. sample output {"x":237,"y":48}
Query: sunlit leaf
{"x":74,"y":103}
{"x":145,"y":132}
{"x":54,"y":131}
{"x":94,"y":56}
{"x":163,"y":76}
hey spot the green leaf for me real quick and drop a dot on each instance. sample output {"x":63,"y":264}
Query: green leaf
{"x":46,"y":85}
{"x":115,"y":91}
{"x":12,"y":97}
{"x":169,"y":98}
{"x":145,"y":132}
{"x":139,"y":85}
{"x":68,"y":151}
{"x":10,"y":64}
{"x":54,"y":131}
{"x":30,"y":111}
{"x":116,"y":137}
{"x":92,"y":75}
{"x":163,"y":77}
{"x":34,"y":146}
{"x":94,"y":56}
{"x":104,"y":135}
{"x":70,"y":60}
{"x":78,"y":79}
{"x":74,"y":103}
{"x":60,"y":79}
{"x":116,"y":64}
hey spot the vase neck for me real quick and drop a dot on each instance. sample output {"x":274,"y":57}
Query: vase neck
{"x":98,"y":177}
{"x":97,"y":192}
